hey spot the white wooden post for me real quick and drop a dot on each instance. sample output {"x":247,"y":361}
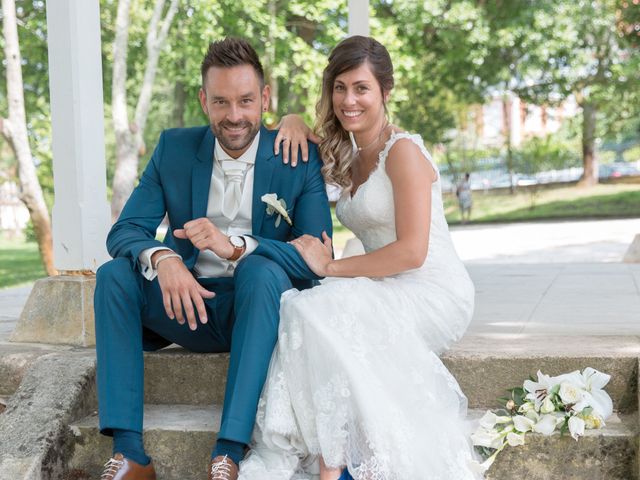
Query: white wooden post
{"x":81,"y":217}
{"x":359,"y":17}
{"x":60,"y":308}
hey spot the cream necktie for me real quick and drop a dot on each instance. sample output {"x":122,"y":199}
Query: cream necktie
{"x":233,"y":176}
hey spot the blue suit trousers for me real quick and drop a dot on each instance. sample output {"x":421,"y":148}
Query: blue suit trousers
{"x":243,"y":319}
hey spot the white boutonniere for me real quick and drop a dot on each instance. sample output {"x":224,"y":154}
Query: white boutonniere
{"x":276,"y":205}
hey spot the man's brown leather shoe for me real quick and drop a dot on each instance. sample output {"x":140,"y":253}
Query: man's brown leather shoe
{"x":120,"y":468}
{"x":223,"y":468}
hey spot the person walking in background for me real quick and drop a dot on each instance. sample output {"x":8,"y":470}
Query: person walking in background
{"x":465,"y":200}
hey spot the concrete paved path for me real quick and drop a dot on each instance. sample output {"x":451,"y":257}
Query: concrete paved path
{"x":546,"y":242}
{"x":552,"y":278}
{"x":11,"y":302}
{"x":556,"y":299}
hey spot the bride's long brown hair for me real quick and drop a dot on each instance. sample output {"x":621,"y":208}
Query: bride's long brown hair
{"x":336,"y":149}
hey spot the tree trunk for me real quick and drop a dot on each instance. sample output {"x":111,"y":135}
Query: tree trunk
{"x":589,"y":159}
{"x":307,"y":30}
{"x":270,"y":58}
{"x":14,"y":130}
{"x":179,"y":87}
{"x":129,"y":136}
{"x":120,"y":115}
{"x":179,"y":102}
{"x":126,"y":171}
{"x":506,"y":112}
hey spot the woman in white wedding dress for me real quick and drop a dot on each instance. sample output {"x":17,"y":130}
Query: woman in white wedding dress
{"x":355,"y":380}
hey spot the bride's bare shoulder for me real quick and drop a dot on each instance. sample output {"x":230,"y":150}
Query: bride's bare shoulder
{"x":407,"y":157}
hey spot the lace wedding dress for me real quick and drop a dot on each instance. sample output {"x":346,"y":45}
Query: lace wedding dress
{"x":355,"y":376}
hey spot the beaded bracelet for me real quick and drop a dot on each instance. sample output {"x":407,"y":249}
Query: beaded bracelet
{"x":165,"y":256}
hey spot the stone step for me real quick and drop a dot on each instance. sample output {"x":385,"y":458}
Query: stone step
{"x":180,"y":439}
{"x":176,"y":376}
{"x":15,"y":360}
{"x":484,"y":367}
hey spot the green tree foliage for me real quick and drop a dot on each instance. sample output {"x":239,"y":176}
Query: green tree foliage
{"x":573,"y":48}
{"x":448,"y":56}
{"x":436,"y":46}
{"x":552,"y":152}
{"x":32,"y":32}
{"x":292,"y":38}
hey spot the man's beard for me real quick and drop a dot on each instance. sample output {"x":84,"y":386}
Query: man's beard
{"x":237,"y":143}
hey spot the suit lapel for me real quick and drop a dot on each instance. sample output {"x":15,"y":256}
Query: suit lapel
{"x":201,"y":176}
{"x":263,"y":171}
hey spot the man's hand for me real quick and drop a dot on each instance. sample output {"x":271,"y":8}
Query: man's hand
{"x":180,"y":291}
{"x":205,"y":236}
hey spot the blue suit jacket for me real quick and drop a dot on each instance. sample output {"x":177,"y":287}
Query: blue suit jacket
{"x":176,"y":182}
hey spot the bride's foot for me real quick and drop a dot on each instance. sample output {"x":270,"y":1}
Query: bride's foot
{"x":327,"y":473}
{"x":345,"y":475}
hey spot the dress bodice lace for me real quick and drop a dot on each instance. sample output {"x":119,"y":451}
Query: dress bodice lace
{"x":370,"y":215}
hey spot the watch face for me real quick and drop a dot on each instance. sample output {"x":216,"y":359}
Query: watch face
{"x":236,"y":241}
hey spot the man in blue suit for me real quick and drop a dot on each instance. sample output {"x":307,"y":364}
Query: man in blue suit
{"x":214,"y":284}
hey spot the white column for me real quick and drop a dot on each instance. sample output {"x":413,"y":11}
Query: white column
{"x":81,"y":216}
{"x":359,"y":17}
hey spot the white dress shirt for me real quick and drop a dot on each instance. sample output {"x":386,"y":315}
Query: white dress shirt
{"x":209,"y":264}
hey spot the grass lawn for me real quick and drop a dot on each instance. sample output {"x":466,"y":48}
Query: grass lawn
{"x":601,"y":201}
{"x":19,"y":263}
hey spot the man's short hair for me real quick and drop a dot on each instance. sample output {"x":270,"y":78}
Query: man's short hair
{"x":231,"y":52}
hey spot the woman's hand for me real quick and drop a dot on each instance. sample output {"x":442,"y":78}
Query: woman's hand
{"x":293,"y":134}
{"x":317,"y":254}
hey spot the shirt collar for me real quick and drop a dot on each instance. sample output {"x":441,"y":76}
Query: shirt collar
{"x":247,"y":157}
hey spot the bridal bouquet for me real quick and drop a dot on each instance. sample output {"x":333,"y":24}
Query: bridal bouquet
{"x":570,"y":403}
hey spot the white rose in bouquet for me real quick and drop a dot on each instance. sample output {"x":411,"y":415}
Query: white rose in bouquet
{"x":570,"y":393}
